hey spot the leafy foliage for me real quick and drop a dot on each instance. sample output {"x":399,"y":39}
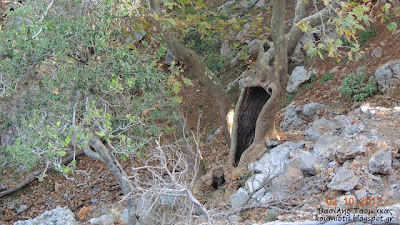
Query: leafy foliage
{"x":207,"y":47}
{"x":366,"y":35}
{"x":326,"y":77}
{"x":73,"y":72}
{"x":358,"y":87}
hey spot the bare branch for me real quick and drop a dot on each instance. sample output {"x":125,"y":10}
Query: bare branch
{"x":42,"y":17}
{"x":35,"y":175}
{"x":314,"y":20}
{"x":45,"y":12}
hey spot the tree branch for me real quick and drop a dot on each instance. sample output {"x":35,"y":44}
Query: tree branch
{"x":265,"y":58}
{"x":197,"y":65}
{"x":300,"y":12}
{"x":35,"y":175}
{"x":314,"y":20}
{"x":117,"y":170}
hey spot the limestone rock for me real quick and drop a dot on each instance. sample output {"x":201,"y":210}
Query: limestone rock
{"x":238,"y":198}
{"x":298,"y":76}
{"x":319,"y":127}
{"x":381,"y":162}
{"x":225,"y":51}
{"x":291,"y":180}
{"x":388,"y":75}
{"x":362,"y":193}
{"x":305,"y":161}
{"x":226,"y":5}
{"x":139,"y":35}
{"x":310,"y":109}
{"x":344,"y":180}
{"x":248,"y":3}
{"x":271,"y":143}
{"x":255,"y":181}
{"x":292,"y":121}
{"x":253,"y":47}
{"x":395,"y":191}
{"x":102,"y":220}
{"x":348,"y":148}
{"x":57,"y":216}
{"x":169,"y":58}
{"x":377,"y":52}
{"x":274,"y":162}
{"x":325,"y":146}
{"x":299,"y":53}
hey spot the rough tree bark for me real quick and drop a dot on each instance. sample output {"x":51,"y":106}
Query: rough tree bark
{"x":254,"y":120}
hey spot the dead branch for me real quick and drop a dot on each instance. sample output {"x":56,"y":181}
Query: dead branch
{"x":169,"y":185}
{"x":188,"y":193}
{"x":35,"y":175}
{"x":262,"y":185}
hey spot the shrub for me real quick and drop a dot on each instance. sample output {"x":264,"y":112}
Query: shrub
{"x":327,"y":77}
{"x":313,"y":78}
{"x":208,"y":48}
{"x":55,"y":99}
{"x":358,"y":87}
{"x":288,"y":99}
{"x":366,"y":35}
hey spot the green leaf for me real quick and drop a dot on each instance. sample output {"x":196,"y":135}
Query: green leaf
{"x":172,"y":21}
{"x":200,"y":4}
{"x":101,"y":133}
{"x":67,"y":169}
{"x":42,"y":176}
{"x":62,"y":153}
{"x":392,"y":26}
{"x":304,"y":26}
{"x":176,"y":99}
{"x":187,"y":81}
{"x":386,"y":7}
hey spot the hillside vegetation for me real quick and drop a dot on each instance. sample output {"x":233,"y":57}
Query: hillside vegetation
{"x":120,"y":110}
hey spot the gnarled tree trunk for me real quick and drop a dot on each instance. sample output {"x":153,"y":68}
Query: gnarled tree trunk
{"x":259,"y":101}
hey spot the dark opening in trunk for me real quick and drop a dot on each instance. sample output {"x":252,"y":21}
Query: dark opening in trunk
{"x":253,"y":101}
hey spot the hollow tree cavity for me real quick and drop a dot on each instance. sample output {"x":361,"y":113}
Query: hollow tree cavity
{"x":254,"y":98}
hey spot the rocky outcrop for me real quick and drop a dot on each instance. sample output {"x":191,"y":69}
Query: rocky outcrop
{"x":299,"y":75}
{"x":292,"y":120}
{"x":342,"y":153}
{"x":344,"y":180}
{"x":57,"y":216}
{"x":388,"y":75}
